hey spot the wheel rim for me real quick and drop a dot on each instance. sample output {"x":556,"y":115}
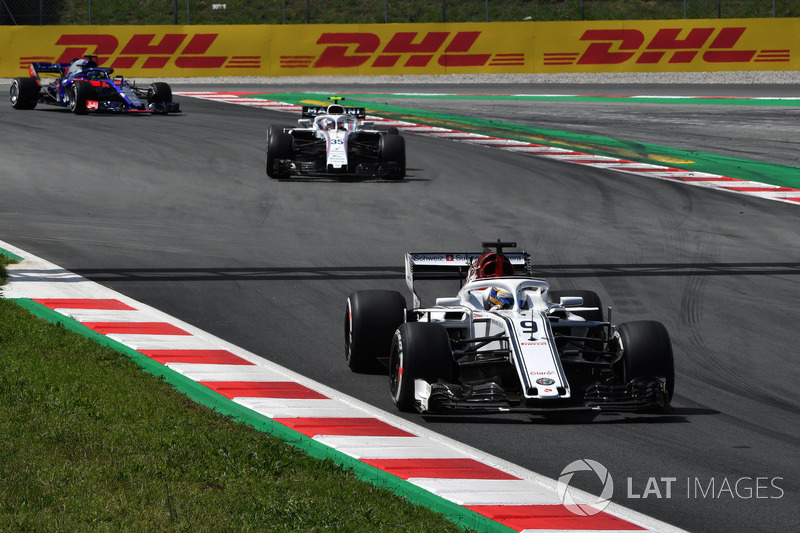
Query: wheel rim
{"x":73,"y":99}
{"x":14,"y":94}
{"x":348,"y":333}
{"x":396,"y":361}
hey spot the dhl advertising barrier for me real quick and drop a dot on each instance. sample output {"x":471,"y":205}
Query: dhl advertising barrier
{"x":456,"y":48}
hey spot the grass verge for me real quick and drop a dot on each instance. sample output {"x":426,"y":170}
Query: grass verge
{"x":90,"y":442}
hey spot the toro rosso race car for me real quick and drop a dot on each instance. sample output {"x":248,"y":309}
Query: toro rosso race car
{"x":335,"y":141}
{"x":82,"y":86}
{"x":505,"y":342}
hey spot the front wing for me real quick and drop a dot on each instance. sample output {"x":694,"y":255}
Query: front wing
{"x":638,"y":395}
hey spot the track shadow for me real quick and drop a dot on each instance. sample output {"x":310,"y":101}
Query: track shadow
{"x":667,"y":416}
{"x":388,"y":272}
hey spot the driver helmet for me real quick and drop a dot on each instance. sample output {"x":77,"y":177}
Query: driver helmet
{"x":328,"y":124}
{"x":500,"y":299}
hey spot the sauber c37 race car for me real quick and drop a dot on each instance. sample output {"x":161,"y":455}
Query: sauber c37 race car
{"x":335,"y":141}
{"x":505,"y":342}
{"x":82,"y":86}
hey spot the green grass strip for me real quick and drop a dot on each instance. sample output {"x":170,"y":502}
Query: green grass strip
{"x":9,"y":255}
{"x":220,"y":404}
{"x":745,"y":169}
{"x":667,"y":100}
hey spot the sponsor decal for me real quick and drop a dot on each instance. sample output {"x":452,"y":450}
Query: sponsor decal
{"x":439,"y":258}
{"x":404,"y":49}
{"x":92,"y":104}
{"x":149,"y":51}
{"x":667,"y":46}
{"x":543,"y":373}
{"x":545,"y":381}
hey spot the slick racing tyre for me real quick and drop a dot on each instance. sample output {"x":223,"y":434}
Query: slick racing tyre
{"x":647,"y":352}
{"x":392,"y":149}
{"x":280,"y":145}
{"x":79,"y":93}
{"x":370,"y":320}
{"x":24,"y":93}
{"x":420,"y":350}
{"x":159,"y":93}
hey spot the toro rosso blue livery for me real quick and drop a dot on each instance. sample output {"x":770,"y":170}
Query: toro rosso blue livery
{"x":82,"y":86}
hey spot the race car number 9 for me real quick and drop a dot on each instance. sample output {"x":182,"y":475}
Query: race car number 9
{"x":528,"y":326}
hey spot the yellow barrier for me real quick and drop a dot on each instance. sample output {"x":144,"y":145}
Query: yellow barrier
{"x":457,"y":48}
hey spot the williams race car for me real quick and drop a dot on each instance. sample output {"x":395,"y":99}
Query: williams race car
{"x":82,"y":86}
{"x":505,"y":343}
{"x":335,"y":141}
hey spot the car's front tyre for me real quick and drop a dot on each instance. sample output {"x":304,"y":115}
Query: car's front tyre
{"x":647,"y":352}
{"x":392,"y":149}
{"x":159,"y":93}
{"x":79,"y":93}
{"x":420,"y":350}
{"x":280,"y":146}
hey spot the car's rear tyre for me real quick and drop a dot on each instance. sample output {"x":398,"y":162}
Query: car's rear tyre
{"x":590,"y":299}
{"x":273,"y":129}
{"x":647,"y":352}
{"x":159,"y":93}
{"x":79,"y":93}
{"x":24,"y":93}
{"x":280,"y":145}
{"x":392,"y":149}
{"x":420,"y":350}
{"x":370,"y":320}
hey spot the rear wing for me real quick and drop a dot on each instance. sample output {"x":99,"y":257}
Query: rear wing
{"x":451,"y":265}
{"x":313,"y":111}
{"x":54,"y":69}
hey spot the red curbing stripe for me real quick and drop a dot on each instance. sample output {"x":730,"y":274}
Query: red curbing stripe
{"x":714,"y":178}
{"x":107,"y":304}
{"x":653,"y":170}
{"x":206,"y":357}
{"x":758,"y":189}
{"x":264,"y":389}
{"x":445,"y":468}
{"x":551,"y":517}
{"x":136,"y":328}
{"x":364,"y":427}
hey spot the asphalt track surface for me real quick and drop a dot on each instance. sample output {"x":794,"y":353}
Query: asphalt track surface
{"x":177,"y":212}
